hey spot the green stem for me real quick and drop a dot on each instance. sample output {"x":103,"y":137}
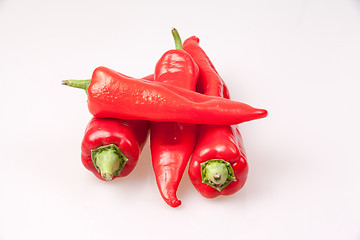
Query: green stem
{"x":108,"y":160}
{"x":217,"y":173}
{"x":178,"y":43}
{"x":83,"y":84}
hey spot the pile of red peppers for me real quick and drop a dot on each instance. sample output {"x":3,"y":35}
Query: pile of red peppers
{"x":186,"y":107}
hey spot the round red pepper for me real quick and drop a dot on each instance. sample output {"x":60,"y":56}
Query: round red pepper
{"x":218,"y":165}
{"x":111,"y":147}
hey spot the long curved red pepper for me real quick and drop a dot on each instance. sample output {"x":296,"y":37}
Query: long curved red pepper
{"x":218,"y":165}
{"x":172,"y":143}
{"x":210,"y":82}
{"x":111,"y":147}
{"x":114,"y":95}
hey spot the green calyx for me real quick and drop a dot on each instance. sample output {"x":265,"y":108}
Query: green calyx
{"x":83,"y":84}
{"x":177,"y":39}
{"x":108,"y":160}
{"x":217,"y":173}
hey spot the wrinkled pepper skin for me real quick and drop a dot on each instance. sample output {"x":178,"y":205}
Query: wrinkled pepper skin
{"x":128,"y":135}
{"x":214,"y":141}
{"x":177,"y":68}
{"x":114,"y":95}
{"x":172,"y":143}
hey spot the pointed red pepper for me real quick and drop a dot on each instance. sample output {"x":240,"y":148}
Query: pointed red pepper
{"x":218,"y":165}
{"x":114,"y":95}
{"x":172,"y":143}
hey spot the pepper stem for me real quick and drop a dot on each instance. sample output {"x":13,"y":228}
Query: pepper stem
{"x":108,"y":160}
{"x":217,"y":173}
{"x":178,"y":43}
{"x":84,"y":84}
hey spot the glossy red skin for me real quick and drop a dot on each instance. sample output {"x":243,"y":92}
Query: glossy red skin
{"x":113,"y":95}
{"x":177,"y":68}
{"x":171,"y":143}
{"x":219,"y":142}
{"x":210,"y":82}
{"x":214,"y":141}
{"x":128,"y":135}
{"x":171,"y":147}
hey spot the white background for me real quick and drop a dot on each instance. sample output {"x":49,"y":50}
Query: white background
{"x":299,"y":59}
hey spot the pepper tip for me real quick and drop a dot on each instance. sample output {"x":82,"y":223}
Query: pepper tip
{"x":173,"y":202}
{"x":260,"y":113}
{"x":264,"y":112}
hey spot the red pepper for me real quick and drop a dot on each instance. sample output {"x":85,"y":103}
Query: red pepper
{"x":210,"y":83}
{"x":172,"y":143}
{"x":111,"y":147}
{"x":114,"y":95}
{"x":218,"y":165}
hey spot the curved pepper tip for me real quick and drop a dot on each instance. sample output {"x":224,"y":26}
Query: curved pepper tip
{"x":173,"y":202}
{"x":192,"y":38}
